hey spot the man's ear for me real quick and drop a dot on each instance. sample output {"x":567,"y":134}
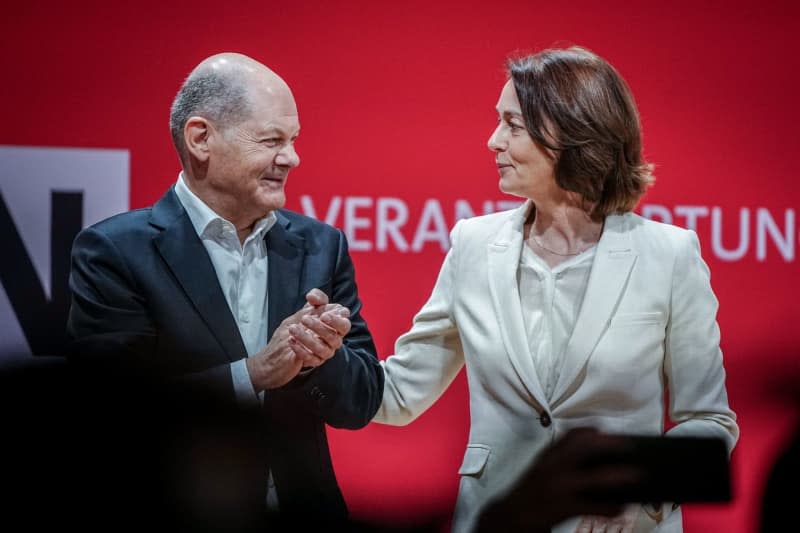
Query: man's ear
{"x":195,"y":135}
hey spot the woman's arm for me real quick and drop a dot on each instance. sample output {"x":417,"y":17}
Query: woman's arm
{"x":428,"y":357}
{"x":698,"y":401}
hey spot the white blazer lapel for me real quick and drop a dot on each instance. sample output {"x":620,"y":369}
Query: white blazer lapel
{"x":504,"y":253}
{"x":607,"y":281}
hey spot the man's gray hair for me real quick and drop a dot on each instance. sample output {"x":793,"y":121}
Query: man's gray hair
{"x":220,"y":97}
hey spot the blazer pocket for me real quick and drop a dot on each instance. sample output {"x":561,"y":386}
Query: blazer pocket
{"x":636,"y":319}
{"x":475,"y":459}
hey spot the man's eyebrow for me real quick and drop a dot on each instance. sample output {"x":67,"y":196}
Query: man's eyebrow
{"x":269,"y":130}
{"x":274,"y":130}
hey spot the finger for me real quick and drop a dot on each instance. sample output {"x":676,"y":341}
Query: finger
{"x":331,"y":338}
{"x":297,"y":316}
{"x":311,"y":341}
{"x":306,"y":356}
{"x":335,"y":311}
{"x":322,"y":309}
{"x":316,"y":297}
{"x":337,"y":321}
{"x":308,"y":309}
{"x":332,"y":308}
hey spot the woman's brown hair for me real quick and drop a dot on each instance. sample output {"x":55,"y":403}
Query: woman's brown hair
{"x":577,"y":105}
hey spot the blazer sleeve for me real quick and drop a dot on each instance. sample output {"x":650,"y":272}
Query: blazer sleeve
{"x":113,"y":339}
{"x":348,"y":387}
{"x":428,"y":357}
{"x":698,"y":401}
{"x":108,"y":323}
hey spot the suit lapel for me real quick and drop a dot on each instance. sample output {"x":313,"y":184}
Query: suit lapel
{"x":504,"y":253}
{"x":188,"y":260}
{"x":285,"y":252}
{"x":607,"y":282}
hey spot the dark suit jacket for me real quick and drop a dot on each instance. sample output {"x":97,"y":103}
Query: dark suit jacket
{"x":146,"y":305}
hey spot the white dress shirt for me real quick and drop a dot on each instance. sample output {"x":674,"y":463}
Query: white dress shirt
{"x":551,"y":299}
{"x":242,"y":274}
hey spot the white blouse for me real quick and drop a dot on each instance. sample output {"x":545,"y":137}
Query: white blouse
{"x":551,"y":299}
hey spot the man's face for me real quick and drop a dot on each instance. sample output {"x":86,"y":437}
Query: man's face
{"x":249,"y":162}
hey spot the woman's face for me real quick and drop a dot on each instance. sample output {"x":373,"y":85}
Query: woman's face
{"x":526,"y":168}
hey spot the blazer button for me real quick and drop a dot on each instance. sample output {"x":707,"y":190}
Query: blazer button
{"x":545,"y":420}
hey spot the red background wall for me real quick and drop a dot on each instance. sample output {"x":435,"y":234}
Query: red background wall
{"x":397,"y":100}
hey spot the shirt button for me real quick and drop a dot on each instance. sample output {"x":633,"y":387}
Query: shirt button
{"x":545,"y":420}
{"x":244,"y":316}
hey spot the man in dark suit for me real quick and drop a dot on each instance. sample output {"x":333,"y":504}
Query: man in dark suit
{"x":229,"y":327}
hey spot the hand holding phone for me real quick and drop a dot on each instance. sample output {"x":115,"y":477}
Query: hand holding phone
{"x":674,"y":469}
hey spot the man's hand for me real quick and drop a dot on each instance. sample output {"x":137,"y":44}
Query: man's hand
{"x":307,"y":338}
{"x":321,"y":331}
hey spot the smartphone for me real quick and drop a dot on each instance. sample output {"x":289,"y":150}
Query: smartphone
{"x":677,"y":469}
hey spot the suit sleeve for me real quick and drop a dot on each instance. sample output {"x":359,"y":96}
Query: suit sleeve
{"x":113,"y":336}
{"x":429,"y":356}
{"x":348,"y":387}
{"x":108,"y":323}
{"x":698,"y":401}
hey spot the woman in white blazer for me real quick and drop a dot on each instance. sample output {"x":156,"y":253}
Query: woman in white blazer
{"x":570,"y":310}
